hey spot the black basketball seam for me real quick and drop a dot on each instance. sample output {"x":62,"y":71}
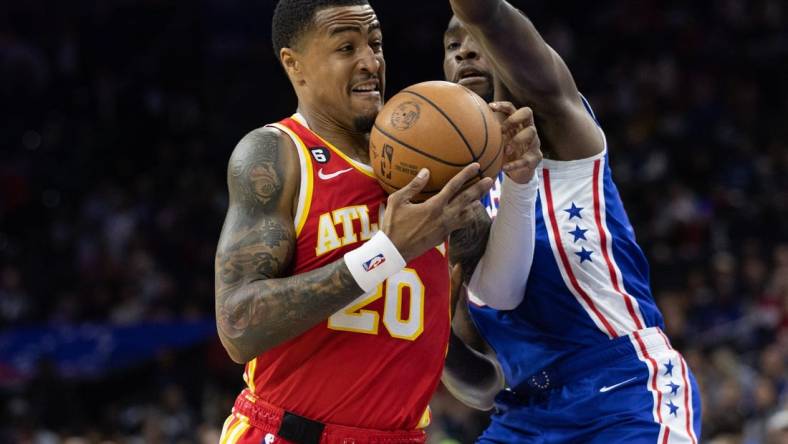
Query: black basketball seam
{"x":497,"y":155}
{"x":413,"y":148}
{"x":462,"y":136}
{"x":484,"y":120}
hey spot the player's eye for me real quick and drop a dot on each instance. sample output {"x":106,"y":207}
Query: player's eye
{"x":346,"y":48}
{"x":376,"y":45}
{"x":452,"y":46}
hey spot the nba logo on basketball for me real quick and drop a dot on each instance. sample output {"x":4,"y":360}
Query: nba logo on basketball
{"x":374,"y":262}
{"x":385,"y":160}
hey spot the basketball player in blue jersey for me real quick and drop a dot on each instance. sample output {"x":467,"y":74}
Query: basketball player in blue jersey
{"x":582,"y":349}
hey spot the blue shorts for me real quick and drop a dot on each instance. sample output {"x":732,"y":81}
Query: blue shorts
{"x":636,"y":389}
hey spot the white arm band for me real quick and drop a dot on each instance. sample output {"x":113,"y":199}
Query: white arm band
{"x":500,"y":277}
{"x":374,"y":261}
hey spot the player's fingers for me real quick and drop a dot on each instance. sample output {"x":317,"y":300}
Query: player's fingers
{"x":536,"y":143}
{"x":529,"y":157}
{"x":413,"y":188}
{"x":521,"y":118}
{"x":471,"y":194}
{"x":521,"y":143}
{"x":456,"y":183}
{"x":529,"y":162}
{"x":467,"y":213}
{"x":503,"y":107}
{"x":512,"y":152}
{"x":524,"y":138}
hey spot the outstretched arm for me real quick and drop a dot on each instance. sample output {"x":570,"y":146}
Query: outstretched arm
{"x":499,"y":277}
{"x":533,"y":74}
{"x":496,"y":273}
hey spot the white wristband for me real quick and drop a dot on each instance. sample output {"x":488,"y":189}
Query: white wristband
{"x":374,"y":262}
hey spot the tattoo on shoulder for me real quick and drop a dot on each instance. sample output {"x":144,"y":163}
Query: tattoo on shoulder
{"x":259,"y":303}
{"x":255,"y":174}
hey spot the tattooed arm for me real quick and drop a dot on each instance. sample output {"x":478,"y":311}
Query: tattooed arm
{"x":256,"y":307}
{"x":466,"y":246}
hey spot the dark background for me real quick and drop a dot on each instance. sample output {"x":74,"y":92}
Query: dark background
{"x":117,"y":119}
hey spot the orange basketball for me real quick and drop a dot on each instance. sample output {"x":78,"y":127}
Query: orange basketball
{"x":436,"y":125}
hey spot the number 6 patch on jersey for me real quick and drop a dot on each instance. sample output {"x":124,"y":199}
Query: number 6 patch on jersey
{"x":321,"y":154}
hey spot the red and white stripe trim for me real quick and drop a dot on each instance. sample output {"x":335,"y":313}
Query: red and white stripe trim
{"x":606,"y":240}
{"x":597,"y":284}
{"x":654,"y":350}
{"x":688,"y":409}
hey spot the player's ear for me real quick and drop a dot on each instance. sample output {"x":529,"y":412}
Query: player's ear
{"x":292,"y":64}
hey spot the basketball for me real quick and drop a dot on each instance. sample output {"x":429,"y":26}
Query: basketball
{"x":436,"y":125}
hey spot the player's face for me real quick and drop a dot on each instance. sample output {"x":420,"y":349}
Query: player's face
{"x":463,"y":62}
{"x":344,"y":69}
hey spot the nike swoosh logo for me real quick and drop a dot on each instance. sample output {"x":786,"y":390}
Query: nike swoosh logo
{"x":608,"y":388}
{"x":329,"y":176}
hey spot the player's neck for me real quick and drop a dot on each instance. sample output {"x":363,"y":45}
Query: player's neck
{"x":350,"y":141}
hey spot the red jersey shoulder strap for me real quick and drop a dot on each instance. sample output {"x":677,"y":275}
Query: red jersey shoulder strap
{"x":306,"y":186}
{"x":317,"y":144}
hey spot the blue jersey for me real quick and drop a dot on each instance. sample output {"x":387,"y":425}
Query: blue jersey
{"x":584,"y":354}
{"x":589,"y":280}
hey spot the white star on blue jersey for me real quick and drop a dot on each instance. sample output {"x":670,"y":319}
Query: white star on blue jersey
{"x":674,"y":388}
{"x":574,"y":211}
{"x":673,"y":408}
{"x":578,"y":233}
{"x":585,"y":255}
{"x":669,"y":369}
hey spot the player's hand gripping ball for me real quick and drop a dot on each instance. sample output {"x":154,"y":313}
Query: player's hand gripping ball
{"x":436,"y":125}
{"x":522,"y":148}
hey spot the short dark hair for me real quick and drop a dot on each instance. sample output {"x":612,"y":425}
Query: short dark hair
{"x":293,"y":17}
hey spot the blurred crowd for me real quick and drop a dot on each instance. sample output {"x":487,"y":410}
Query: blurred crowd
{"x":118,"y":118}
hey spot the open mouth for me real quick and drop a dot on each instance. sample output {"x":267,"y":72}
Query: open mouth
{"x":469,"y":75}
{"x":369,"y":88}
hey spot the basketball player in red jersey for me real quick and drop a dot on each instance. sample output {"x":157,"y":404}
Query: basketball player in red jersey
{"x":337,"y":304}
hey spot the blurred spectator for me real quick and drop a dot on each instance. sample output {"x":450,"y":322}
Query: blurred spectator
{"x":14,"y":301}
{"x":777,"y":427}
{"x":119,"y":118}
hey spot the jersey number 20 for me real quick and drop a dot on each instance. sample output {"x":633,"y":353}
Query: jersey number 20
{"x":356,"y":319}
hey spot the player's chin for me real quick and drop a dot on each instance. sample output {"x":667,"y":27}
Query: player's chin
{"x":481,"y":85}
{"x":365,"y":116}
{"x":363,"y":124}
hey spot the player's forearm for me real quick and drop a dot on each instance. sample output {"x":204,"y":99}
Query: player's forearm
{"x":513,"y":42}
{"x":500,"y":278}
{"x":476,"y":11}
{"x":470,"y":376}
{"x":494,"y":22}
{"x":256,"y":316}
{"x":466,"y":246}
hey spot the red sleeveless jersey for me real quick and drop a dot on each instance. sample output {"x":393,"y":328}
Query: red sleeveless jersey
{"x":376,"y":363}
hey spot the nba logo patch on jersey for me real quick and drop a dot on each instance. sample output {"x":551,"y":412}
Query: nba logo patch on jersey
{"x":374,"y":263}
